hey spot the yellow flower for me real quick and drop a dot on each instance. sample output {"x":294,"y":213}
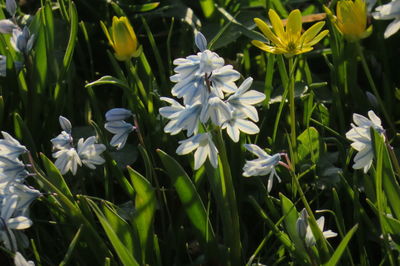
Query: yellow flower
{"x":351,"y":19}
{"x":122,"y":38}
{"x":289,"y":41}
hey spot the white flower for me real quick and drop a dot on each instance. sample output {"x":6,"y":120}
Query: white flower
{"x":239,"y":123}
{"x":12,"y":168}
{"x":116,"y":114}
{"x":389,"y":11}
{"x":216,"y":109}
{"x":10,"y":147}
{"x":7,"y":26}
{"x":7,"y":223}
{"x":11,"y":7}
{"x":26,"y":195}
{"x":181,"y":117}
{"x":62,"y":141}
{"x":223,"y":80}
{"x":243,"y":100}
{"x":121,"y":131}
{"x":263,"y":165}
{"x":305,"y":232}
{"x":89,"y":152}
{"x":204,"y":147}
{"x":19,"y":260}
{"x":65,"y":124}
{"x":67,"y":160}
{"x":200,"y":41}
{"x":360,"y":134}
{"x":22,"y":40}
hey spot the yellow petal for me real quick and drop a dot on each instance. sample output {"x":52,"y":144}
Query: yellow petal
{"x":266,"y":31}
{"x":277,"y":24}
{"x":105,"y":30}
{"x":124,"y":44}
{"x":294,"y":24}
{"x":267,"y":48}
{"x":311,"y":32}
{"x":317,"y":38}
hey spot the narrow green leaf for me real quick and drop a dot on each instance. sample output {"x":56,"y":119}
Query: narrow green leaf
{"x":189,"y":197}
{"x":55,"y":177}
{"x":342,"y":247}
{"x":71,"y":247}
{"x":144,"y":7}
{"x":124,"y":255}
{"x":145,"y":204}
{"x":105,"y":80}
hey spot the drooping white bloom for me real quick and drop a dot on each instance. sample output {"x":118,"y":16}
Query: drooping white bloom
{"x":11,"y":7}
{"x":9,"y":222}
{"x":121,"y":131}
{"x":360,"y":135}
{"x":22,"y":40}
{"x":181,"y":117}
{"x":67,"y":160}
{"x":19,"y":260}
{"x":305,"y":232}
{"x":204,"y":147}
{"x":388,"y":11}
{"x":13,"y":168}
{"x":263,"y":165}
{"x":62,"y":141}
{"x":89,"y":152}
{"x":10,"y":147}
{"x":238,"y":123}
{"x":26,"y":195}
{"x":243,"y":100}
{"x":7,"y":26}
{"x":116,"y":114}
{"x":65,"y":124}
{"x":216,"y":110}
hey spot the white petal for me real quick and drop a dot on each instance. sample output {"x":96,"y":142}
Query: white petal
{"x":255,"y":150}
{"x":392,"y":28}
{"x":200,"y":156}
{"x":19,"y":223}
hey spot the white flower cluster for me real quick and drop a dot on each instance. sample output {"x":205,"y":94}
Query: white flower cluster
{"x":210,"y":96}
{"x":68,"y":158}
{"x":116,"y":125}
{"x":360,"y":135}
{"x":15,"y":196}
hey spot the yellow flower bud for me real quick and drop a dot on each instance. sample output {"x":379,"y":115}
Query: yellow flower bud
{"x":122,"y":38}
{"x":351,"y":19}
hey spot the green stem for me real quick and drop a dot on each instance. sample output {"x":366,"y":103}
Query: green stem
{"x":292,"y":107}
{"x":373,"y":87}
{"x":235,"y":244}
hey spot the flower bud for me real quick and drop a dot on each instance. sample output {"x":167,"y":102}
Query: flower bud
{"x":117,"y":114}
{"x":122,"y":38}
{"x":352,"y":19}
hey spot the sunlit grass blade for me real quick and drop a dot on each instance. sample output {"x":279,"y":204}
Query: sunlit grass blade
{"x":124,"y":255}
{"x":71,"y":247}
{"x":189,"y":197}
{"x":145,"y":203}
{"x":342,"y":247}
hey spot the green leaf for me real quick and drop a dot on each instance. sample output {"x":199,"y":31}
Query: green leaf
{"x":342,"y":247}
{"x":55,"y":177}
{"x":384,"y":172}
{"x":309,"y":145}
{"x":123,"y":253}
{"x":109,"y":80}
{"x":71,"y":247}
{"x":145,"y":204}
{"x":121,"y":227}
{"x":189,"y":197}
{"x":290,"y":215}
{"x":144,"y":7}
